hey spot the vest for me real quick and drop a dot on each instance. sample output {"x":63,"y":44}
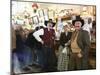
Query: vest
{"x":48,"y":37}
{"x":74,"y":46}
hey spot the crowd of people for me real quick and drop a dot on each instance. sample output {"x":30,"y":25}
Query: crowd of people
{"x":35,"y":50}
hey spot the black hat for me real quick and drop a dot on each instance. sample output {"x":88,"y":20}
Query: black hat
{"x":78,"y":18}
{"x":50,"y":21}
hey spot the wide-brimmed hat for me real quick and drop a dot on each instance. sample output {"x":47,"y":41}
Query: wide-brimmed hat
{"x":78,"y":18}
{"x":50,"y":21}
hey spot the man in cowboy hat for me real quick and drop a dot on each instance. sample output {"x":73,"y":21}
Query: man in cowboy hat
{"x":46,"y":37}
{"x":80,"y":43}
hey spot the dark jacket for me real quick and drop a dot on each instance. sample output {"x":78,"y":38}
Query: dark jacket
{"x":32,"y":42}
{"x":83,"y":41}
{"x":64,"y":39}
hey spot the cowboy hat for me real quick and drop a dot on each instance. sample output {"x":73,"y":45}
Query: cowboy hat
{"x":50,"y":21}
{"x":78,"y":18}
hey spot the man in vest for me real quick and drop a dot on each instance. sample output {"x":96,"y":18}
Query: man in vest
{"x":46,"y":37}
{"x":80,"y":43}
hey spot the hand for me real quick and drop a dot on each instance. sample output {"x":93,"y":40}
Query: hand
{"x":66,"y":44}
{"x":79,"y":55}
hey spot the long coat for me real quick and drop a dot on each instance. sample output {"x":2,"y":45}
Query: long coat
{"x":83,"y":41}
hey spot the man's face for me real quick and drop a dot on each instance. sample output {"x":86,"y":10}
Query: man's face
{"x":49,"y":25}
{"x":78,"y":25}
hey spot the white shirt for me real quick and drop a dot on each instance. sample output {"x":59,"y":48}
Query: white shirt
{"x":87,"y":27}
{"x":60,"y":26}
{"x":37,"y":34}
{"x":57,"y":35}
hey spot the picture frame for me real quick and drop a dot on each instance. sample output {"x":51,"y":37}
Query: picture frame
{"x":45,"y":12}
{"x":51,"y":14}
{"x":35,"y":19}
{"x":41,"y":13}
{"x":46,"y":15}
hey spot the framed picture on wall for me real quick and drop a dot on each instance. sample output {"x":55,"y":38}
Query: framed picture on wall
{"x":46,"y":16}
{"x":35,"y":19}
{"x":51,"y":14}
{"x":41,"y":13}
